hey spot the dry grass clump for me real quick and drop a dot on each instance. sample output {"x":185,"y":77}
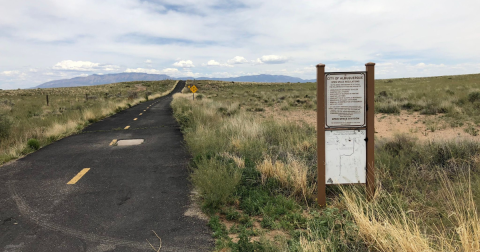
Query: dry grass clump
{"x":385,"y":231}
{"x":61,"y":129}
{"x":291,"y":175}
{"x":240,"y":162}
{"x":389,"y":227}
{"x":464,"y":213}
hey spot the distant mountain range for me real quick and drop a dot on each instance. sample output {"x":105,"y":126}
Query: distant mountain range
{"x":124,"y":77}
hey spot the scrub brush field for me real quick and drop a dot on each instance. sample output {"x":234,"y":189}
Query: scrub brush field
{"x":254,"y":168}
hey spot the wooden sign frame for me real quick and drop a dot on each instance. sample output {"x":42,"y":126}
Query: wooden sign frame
{"x":370,"y":130}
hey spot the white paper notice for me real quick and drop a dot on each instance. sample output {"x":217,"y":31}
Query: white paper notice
{"x":345,"y":100}
{"x":345,"y":156}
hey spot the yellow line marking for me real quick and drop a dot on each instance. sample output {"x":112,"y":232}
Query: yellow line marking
{"x":135,"y":119}
{"x":144,"y":110}
{"x":114,"y":141}
{"x":140,"y":113}
{"x":127,"y":127}
{"x":78,"y":176}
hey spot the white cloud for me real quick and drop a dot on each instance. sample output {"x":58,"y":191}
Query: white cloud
{"x":167,"y":71}
{"x":171,"y":71}
{"x":83,"y":66}
{"x":420,"y":65}
{"x":10,"y":73}
{"x":76,"y":65}
{"x":213,"y":63}
{"x":237,"y":60}
{"x":272,"y":59}
{"x":110,"y":68}
{"x":184,"y":64}
{"x":33,"y":70}
{"x":143,"y":70}
{"x":216,"y":63}
{"x":148,"y":61}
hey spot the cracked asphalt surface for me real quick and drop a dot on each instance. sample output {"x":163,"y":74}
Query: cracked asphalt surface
{"x":129,"y":191}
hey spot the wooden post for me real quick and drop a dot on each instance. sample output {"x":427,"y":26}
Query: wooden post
{"x":321,"y":193}
{"x":370,"y":130}
{"x":86,"y":97}
{"x":47,"y":99}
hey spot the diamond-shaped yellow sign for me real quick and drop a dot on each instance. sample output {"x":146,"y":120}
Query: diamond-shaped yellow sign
{"x":193,"y":89}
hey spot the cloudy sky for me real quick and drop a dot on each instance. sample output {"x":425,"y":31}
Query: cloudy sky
{"x":43,"y":40}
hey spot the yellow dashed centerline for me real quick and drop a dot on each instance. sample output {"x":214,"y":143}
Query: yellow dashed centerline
{"x":135,"y":119}
{"x":140,"y":114}
{"x":78,"y":176}
{"x":127,"y":127}
{"x":114,"y":141}
{"x":144,"y":110}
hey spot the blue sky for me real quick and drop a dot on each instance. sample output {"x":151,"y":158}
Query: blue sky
{"x":48,"y":40}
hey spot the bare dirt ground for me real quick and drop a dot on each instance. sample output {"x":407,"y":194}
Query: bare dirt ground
{"x":270,"y":235}
{"x":140,"y":87}
{"x":423,"y":127}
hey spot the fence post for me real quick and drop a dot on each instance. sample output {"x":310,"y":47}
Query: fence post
{"x":321,"y":193}
{"x":370,"y":68}
{"x":47,"y":99}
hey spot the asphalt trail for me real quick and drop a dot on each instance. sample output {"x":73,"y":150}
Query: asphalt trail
{"x":128,"y":191}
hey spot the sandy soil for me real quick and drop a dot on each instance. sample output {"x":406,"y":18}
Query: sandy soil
{"x":266,"y":233}
{"x":140,"y":87}
{"x":387,"y":125}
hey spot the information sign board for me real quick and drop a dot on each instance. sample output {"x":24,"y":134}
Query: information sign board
{"x":345,"y":99}
{"x":345,"y":156}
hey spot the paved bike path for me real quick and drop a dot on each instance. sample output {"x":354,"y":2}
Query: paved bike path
{"x":128,"y":192}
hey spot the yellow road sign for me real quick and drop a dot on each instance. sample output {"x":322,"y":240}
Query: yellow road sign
{"x":189,"y":86}
{"x":193,"y":89}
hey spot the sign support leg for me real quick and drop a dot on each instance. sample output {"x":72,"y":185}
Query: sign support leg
{"x":370,"y":186}
{"x":321,"y":193}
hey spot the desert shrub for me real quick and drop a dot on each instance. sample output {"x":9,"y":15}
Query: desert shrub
{"x":472,"y":130}
{"x":450,"y":92}
{"x":474,"y":96}
{"x":383,"y":93}
{"x":398,"y":144}
{"x":413,"y":106}
{"x":33,"y":144}
{"x":5,"y":126}
{"x":285,"y":106}
{"x":387,"y":108}
{"x":215,"y":180}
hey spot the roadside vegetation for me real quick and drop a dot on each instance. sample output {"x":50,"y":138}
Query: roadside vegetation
{"x":454,"y":101}
{"x":27,"y":123}
{"x":257,"y":176}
